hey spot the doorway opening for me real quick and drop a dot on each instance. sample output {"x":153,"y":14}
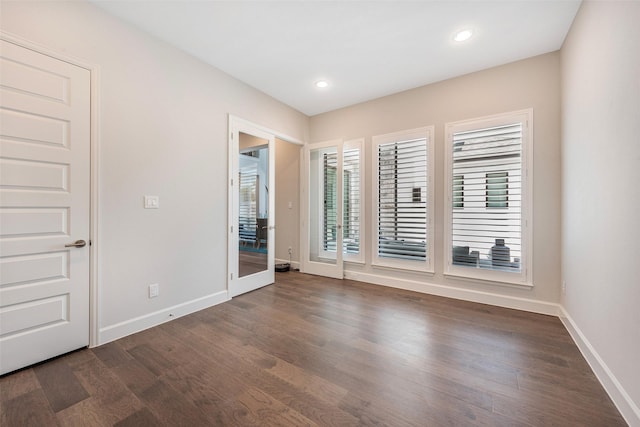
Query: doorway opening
{"x":254,"y":200}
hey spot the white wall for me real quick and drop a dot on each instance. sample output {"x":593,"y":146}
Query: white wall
{"x":531,"y":83}
{"x":601,"y":193}
{"x":163,"y":131}
{"x":288,"y":201}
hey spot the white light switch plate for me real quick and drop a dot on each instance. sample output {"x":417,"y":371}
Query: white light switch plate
{"x":154,"y":290}
{"x":151,"y":202}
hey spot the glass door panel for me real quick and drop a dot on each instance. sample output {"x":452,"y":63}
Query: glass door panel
{"x":253,"y":207}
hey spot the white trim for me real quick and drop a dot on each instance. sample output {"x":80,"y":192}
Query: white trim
{"x":94,"y":287}
{"x":627,"y":407}
{"x":524,"y":278}
{"x":131,"y":326}
{"x":246,"y":123}
{"x":358,"y":144}
{"x":427,"y":132}
{"x":517,"y":303}
{"x":498,"y":282}
{"x":94,"y":167}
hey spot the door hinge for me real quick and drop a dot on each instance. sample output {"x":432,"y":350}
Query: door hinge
{"x":232,"y":181}
{"x":231,"y":276}
{"x":232,"y":229}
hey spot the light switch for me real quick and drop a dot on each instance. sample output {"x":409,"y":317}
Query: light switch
{"x":151,"y":202}
{"x":290,"y":205}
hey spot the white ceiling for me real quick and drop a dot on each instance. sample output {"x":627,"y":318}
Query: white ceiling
{"x":364,"y":49}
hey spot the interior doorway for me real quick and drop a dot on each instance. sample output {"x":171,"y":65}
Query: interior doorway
{"x":259,"y":164}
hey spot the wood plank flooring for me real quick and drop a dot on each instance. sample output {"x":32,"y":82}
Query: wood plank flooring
{"x":316,"y":351}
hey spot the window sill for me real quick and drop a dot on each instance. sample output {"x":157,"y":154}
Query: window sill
{"x":398,"y":267}
{"x":489,"y":281}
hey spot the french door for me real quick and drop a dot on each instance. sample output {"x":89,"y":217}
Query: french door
{"x":251,"y":207}
{"x":323,"y":254}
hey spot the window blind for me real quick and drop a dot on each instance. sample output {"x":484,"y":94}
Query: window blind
{"x":330,"y":213}
{"x":351,"y":200}
{"x":248,"y":209}
{"x":487,"y":197}
{"x":402,"y":215}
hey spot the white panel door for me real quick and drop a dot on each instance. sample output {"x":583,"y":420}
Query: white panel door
{"x":44,"y":206}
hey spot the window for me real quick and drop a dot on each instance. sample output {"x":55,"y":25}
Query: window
{"x":458,"y":191}
{"x":417,"y":195}
{"x":487,"y":233}
{"x":403,"y":236}
{"x":497,"y":190}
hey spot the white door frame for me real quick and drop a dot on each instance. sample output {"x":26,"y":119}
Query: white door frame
{"x":236,"y":125}
{"x":94,"y":224}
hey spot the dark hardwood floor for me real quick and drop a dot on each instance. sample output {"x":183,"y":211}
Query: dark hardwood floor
{"x":317,"y":351}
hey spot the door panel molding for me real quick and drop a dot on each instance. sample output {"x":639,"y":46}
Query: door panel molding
{"x":94,"y":164}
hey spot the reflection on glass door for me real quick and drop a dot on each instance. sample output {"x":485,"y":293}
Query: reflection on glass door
{"x":253,"y":205}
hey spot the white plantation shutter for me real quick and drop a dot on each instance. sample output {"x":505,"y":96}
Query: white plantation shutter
{"x":402,"y":199}
{"x":351,"y":201}
{"x":487,"y":178}
{"x":329,"y":226}
{"x":247,"y":210}
{"x":351,"y":194}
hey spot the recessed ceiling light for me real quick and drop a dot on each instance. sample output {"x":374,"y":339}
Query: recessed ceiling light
{"x":322,"y":84}
{"x":463,"y":35}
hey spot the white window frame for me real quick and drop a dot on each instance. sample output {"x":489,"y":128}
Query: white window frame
{"x":524,"y":276}
{"x":428,"y":264}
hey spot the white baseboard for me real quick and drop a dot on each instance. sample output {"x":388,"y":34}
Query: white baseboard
{"x":128,"y":327}
{"x":517,"y":303}
{"x":629,"y":410}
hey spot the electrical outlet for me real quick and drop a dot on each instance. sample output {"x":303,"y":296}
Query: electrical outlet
{"x":154,"y":290}
{"x":564,"y":287}
{"x":290,"y":250}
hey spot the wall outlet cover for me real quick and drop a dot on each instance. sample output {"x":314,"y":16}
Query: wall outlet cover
{"x":154,"y":290}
